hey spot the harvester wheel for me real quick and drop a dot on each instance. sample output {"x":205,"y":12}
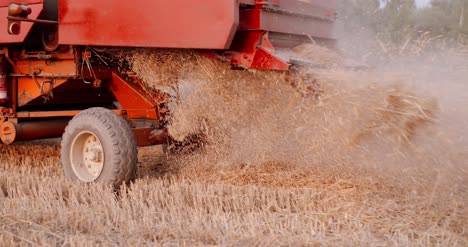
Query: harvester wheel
{"x":98,"y":146}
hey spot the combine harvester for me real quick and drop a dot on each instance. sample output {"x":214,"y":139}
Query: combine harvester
{"x":53,"y":82}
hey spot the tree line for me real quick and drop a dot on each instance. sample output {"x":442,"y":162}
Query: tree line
{"x":394,"y":20}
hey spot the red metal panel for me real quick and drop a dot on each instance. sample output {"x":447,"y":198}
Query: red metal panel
{"x":253,"y":49}
{"x":5,"y":37}
{"x":133,"y":100}
{"x":207,"y":24}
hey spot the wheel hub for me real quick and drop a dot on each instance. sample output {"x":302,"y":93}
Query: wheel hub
{"x":87,"y":156}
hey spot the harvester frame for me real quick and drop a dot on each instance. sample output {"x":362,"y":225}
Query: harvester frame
{"x":52,"y":76}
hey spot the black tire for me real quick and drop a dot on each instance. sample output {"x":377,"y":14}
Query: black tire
{"x":117,"y":150}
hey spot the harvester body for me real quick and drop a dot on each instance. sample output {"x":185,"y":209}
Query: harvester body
{"x":48,"y":72}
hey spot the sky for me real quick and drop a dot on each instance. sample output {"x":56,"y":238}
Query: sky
{"x":419,"y":3}
{"x":422,"y":3}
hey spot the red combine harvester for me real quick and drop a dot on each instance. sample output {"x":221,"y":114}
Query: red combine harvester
{"x":52,"y":83}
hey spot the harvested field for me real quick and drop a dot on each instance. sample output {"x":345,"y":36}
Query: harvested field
{"x":270,"y":203}
{"x":339,"y":158}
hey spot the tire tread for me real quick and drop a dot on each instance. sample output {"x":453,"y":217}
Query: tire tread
{"x":123,"y":145}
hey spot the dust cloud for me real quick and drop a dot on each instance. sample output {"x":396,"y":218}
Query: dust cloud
{"x":404,"y":119}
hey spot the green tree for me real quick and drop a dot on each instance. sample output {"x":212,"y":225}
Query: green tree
{"x":396,"y":19}
{"x":444,"y":17}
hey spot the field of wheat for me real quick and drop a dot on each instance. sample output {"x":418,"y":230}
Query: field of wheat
{"x":313,"y":158}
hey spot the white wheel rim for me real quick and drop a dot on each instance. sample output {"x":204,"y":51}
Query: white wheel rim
{"x":87,"y":156}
